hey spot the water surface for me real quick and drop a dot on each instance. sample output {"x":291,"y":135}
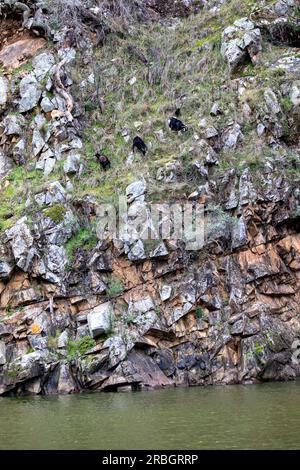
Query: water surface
{"x":233,"y":417}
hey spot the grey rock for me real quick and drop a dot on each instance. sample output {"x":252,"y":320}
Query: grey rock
{"x":62,"y":340}
{"x":295,"y":93}
{"x":66,"y":382}
{"x":180,"y":312}
{"x":137,"y":251}
{"x":211,"y":132}
{"x":47,"y":105}
{"x":68,"y":54}
{"x":19,"y":151}
{"x":238,"y":327}
{"x":43,"y":65}
{"x":246,"y":188}
{"x":215,"y":109}
{"x":38,"y":342}
{"x":2,"y":353}
{"x":271,"y":101}
{"x":239,"y":234}
{"x":141,"y":306}
{"x":165,"y":361}
{"x":82,"y":331}
{"x":37,"y":142}
{"x":118,"y":349}
{"x":55,"y":194}
{"x":290,"y":64}
{"x":3,"y":90}
{"x":5,"y":165}
{"x":231,"y":136}
{"x":29,"y":366}
{"x":13,"y":124}
{"x":239,"y":41}
{"x":244,"y":23}
{"x":5,"y":270}
{"x":56,"y":259}
{"x":21,"y":242}
{"x":136,"y":191}
{"x":30,"y":93}
{"x":282,"y":6}
{"x":260,"y":129}
{"x":5,"y":330}
{"x":168,"y":172}
{"x":99,"y":319}
{"x":160,"y":251}
{"x":47,"y":162}
{"x":72,"y":163}
{"x":165,"y":292}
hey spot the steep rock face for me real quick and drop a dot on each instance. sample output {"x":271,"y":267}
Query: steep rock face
{"x":81,"y":309}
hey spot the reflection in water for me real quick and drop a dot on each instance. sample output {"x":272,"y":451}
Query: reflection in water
{"x":234,"y":417}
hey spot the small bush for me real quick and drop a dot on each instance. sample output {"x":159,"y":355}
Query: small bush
{"x":130,"y":319}
{"x":115,"y":287}
{"x":259,"y":348}
{"x":199,"y":313}
{"x":56,"y":213}
{"x":79,"y":347}
{"x":90,"y":106}
{"x":52,"y":341}
{"x":84,"y":239}
{"x":287,"y":104}
{"x":14,"y":371}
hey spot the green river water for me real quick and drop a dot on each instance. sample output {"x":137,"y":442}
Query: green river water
{"x":234,"y":417}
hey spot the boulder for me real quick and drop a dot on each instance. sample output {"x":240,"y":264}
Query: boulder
{"x":231,"y":136}
{"x":99,"y":319}
{"x":30,"y":93}
{"x":118,"y":349}
{"x":37,"y":142}
{"x":43,"y":65}
{"x":72,"y":163}
{"x":13,"y":124}
{"x":136,"y":191}
{"x":239,"y":234}
{"x":21,"y":242}
{"x":47,"y":162}
{"x":5,"y":270}
{"x":54,"y":194}
{"x":271,"y":101}
{"x":240,"y":41}
{"x":56,"y":259}
{"x":165,"y":292}
{"x":63,"y":339}
{"x":141,"y":306}
{"x":138,"y":369}
{"x":27,"y":367}
{"x":2,"y":353}
{"x":12,"y":55}
{"x":136,"y":251}
{"x":3,"y":91}
{"x":66,"y":382}
{"x":5,"y":165}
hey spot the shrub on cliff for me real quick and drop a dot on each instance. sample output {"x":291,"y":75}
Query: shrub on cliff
{"x":79,"y":347}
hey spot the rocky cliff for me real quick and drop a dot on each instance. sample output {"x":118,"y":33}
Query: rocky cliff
{"x":82,"y":310}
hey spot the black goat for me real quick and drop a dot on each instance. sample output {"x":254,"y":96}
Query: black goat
{"x":176,"y":125}
{"x":104,"y":161}
{"x":140,"y":145}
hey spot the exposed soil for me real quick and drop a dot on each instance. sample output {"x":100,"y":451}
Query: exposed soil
{"x":11,"y":31}
{"x":17,"y":44}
